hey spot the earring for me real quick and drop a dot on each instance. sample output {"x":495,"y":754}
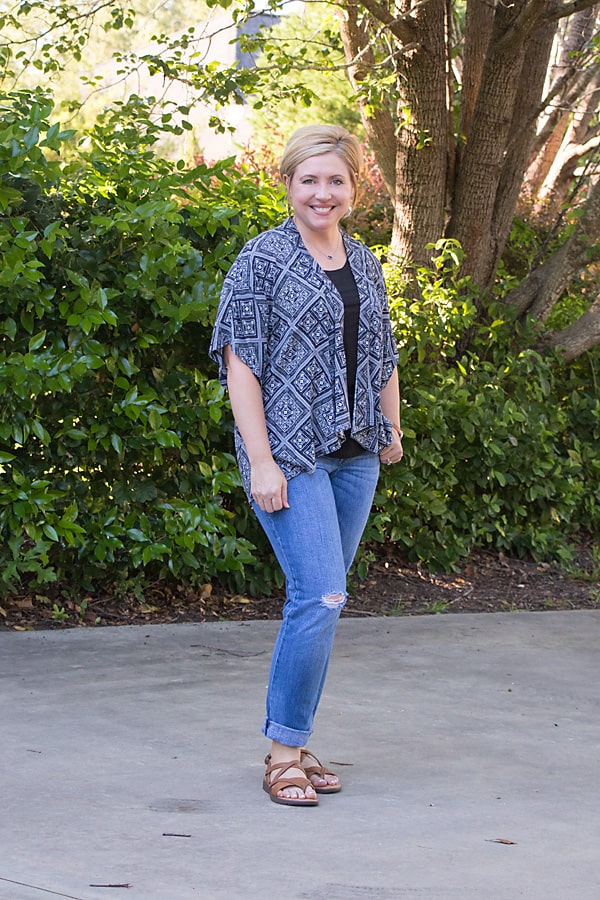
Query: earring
{"x":350,"y":210}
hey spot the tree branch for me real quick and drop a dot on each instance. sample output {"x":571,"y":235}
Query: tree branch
{"x":582,"y":335}
{"x":525,"y":22}
{"x":89,"y":14}
{"x":567,"y":9}
{"x":576,"y":151}
{"x":398,"y":25}
{"x":543,"y":287}
{"x":570,"y":87}
{"x":533,"y":14}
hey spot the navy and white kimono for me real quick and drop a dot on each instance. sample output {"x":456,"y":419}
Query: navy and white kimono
{"x":283,"y":317}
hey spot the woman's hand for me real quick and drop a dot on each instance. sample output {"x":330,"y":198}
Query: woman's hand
{"x":268,"y":486}
{"x":393,"y":453}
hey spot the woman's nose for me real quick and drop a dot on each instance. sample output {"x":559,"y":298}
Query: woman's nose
{"x":323,"y":190}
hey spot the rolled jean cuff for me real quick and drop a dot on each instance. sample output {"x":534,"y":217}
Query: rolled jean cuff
{"x":290,"y":737}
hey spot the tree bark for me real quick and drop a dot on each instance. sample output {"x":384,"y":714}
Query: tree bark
{"x":469,"y":194}
{"x":540,"y":291}
{"x":522,"y":134}
{"x":562,"y":98}
{"x":578,"y":139}
{"x":567,"y":82}
{"x":483,"y":159}
{"x":478,"y":31}
{"x":422,"y":143}
{"x":576,"y":72}
{"x":378,"y":123}
{"x":582,"y":335}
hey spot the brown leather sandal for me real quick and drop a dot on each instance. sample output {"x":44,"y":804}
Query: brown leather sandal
{"x":282,"y":781}
{"x":317,"y":768}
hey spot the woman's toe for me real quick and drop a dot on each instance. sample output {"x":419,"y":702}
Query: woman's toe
{"x":328,"y":781}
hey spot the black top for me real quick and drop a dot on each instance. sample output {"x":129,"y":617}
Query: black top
{"x":344,"y":281}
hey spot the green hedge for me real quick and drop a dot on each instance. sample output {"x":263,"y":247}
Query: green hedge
{"x":115,"y":436}
{"x":502,"y":444}
{"x":116,"y":464}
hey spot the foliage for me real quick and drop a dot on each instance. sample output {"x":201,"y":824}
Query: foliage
{"x":373,"y":214}
{"x":531,"y":241}
{"x":501,"y":444}
{"x":115,"y":436}
{"x":456,"y":145}
{"x":327,"y":93}
{"x":53,"y":36}
{"x":114,"y":450}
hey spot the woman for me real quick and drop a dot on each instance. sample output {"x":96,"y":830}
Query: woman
{"x":304,"y":345}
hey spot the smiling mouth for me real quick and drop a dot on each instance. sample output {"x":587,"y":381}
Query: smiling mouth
{"x":323,"y":209}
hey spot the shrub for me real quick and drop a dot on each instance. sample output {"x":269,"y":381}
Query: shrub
{"x":501,"y":445}
{"x":115,"y":451}
{"x":115,"y":436}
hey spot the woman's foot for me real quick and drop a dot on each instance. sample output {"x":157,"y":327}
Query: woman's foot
{"x":297,"y":789}
{"x":324,"y":780}
{"x":286,"y":783}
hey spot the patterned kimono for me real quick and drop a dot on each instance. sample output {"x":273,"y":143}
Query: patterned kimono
{"x":284,"y":319}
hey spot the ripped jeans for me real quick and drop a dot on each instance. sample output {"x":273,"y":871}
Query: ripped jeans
{"x":315,"y":541}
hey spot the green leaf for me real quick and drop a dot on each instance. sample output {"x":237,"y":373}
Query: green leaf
{"x":40,"y":432}
{"x":136,"y":535}
{"x":117,"y":443}
{"x":36,"y":341}
{"x":50,"y":532}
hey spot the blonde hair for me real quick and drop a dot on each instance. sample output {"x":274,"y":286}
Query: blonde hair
{"x":314,"y":140}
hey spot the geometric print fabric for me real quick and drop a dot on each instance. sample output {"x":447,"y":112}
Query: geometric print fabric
{"x":284,"y":318}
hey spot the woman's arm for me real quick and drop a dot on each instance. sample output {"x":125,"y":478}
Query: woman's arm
{"x":268,"y":484}
{"x":390,"y":407}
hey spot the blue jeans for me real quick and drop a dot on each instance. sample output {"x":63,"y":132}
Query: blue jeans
{"x":315,"y":541}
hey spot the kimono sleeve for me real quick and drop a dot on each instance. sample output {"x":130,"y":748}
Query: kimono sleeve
{"x":242,"y":320}
{"x":389,"y":359}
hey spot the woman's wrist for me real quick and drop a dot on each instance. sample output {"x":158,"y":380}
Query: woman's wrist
{"x":398,"y":430}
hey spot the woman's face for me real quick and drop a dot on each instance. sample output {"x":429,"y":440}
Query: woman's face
{"x":320,"y":191}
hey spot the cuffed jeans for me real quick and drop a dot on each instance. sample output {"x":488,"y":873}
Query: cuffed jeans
{"x":315,"y":541}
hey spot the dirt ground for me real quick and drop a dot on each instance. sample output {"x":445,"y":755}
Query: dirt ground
{"x":486,"y":582}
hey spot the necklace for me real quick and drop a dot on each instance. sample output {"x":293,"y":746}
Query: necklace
{"x":322,"y":252}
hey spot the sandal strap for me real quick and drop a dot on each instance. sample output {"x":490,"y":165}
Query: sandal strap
{"x":317,"y":768}
{"x":282,"y":781}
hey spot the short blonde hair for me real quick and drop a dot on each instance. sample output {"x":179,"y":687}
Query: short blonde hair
{"x":314,"y":140}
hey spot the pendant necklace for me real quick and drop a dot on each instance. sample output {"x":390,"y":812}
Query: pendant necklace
{"x":322,"y":252}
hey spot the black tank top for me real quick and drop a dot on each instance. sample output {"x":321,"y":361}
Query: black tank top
{"x":344,"y":281}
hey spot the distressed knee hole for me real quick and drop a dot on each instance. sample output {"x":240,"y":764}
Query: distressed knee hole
{"x":334,"y":601}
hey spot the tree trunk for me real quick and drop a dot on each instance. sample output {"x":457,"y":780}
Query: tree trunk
{"x":482,"y":163}
{"x":542,"y":161}
{"x":567,"y":83}
{"x":572,"y":36}
{"x":522,"y":134}
{"x":574,"y":144}
{"x":423,"y":140}
{"x":378,"y":121}
{"x":478,"y":31}
{"x":469,"y":194}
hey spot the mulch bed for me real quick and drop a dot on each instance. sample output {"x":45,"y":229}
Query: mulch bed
{"x":485,"y":582}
